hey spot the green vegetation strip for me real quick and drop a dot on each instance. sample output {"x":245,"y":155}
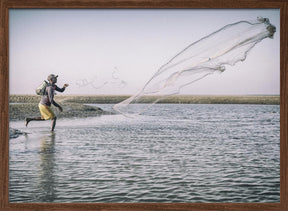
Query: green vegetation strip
{"x":193,"y":99}
{"x":22,"y":106}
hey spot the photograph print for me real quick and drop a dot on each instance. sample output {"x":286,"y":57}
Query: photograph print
{"x":144,"y":105}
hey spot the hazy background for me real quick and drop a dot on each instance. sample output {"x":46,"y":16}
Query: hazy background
{"x":115,"y":51}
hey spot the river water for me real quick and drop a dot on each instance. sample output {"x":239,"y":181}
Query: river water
{"x":172,"y":153}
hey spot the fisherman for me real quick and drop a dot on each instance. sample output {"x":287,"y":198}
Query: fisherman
{"x":46,"y":101}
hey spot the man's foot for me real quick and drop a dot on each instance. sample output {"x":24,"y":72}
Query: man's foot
{"x":27,"y":120}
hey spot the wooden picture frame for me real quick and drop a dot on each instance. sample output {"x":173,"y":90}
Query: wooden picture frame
{"x":5,"y":5}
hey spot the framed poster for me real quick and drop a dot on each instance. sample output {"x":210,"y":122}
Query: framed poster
{"x":204,"y":157}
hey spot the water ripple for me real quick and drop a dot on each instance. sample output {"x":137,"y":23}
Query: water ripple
{"x":205,"y":153}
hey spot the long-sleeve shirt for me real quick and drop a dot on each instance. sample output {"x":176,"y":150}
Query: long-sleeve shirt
{"x":48,"y":98}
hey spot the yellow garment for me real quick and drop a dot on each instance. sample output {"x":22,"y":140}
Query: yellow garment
{"x":46,"y":112}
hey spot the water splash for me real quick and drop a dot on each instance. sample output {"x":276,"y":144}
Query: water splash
{"x":211,"y":54}
{"x":97,"y":83}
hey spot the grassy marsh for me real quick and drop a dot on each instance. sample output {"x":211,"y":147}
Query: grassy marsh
{"x":22,"y":106}
{"x":192,"y":99}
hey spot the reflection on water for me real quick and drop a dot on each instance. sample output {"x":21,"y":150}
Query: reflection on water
{"x":205,"y":153}
{"x":46,"y":184}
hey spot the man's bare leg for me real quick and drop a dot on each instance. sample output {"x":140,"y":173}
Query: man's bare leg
{"x":53,"y":123}
{"x":27,"y":120}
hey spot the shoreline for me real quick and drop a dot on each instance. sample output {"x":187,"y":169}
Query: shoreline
{"x":75,"y":106}
{"x":20,"y":111}
{"x":22,"y":106}
{"x":185,"y":99}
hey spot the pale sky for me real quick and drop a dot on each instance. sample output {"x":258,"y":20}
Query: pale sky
{"x":116,"y":51}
